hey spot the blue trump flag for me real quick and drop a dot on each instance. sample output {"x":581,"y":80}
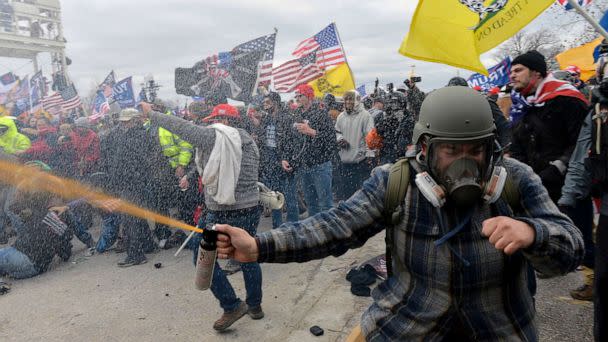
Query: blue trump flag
{"x":123,"y":93}
{"x":361,"y":90}
{"x":498,"y":76}
{"x":36,"y":88}
{"x":604,"y":25}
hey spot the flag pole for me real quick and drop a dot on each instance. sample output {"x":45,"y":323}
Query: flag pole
{"x":590,"y":20}
{"x":29,"y":93}
{"x":345,"y":57}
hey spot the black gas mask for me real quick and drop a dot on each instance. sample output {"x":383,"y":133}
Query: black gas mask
{"x":462,"y":180}
{"x":465,"y":180}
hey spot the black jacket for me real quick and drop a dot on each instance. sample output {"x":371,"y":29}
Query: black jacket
{"x":36,"y":239}
{"x":549,"y":133}
{"x":304,"y":151}
{"x":131,"y":159}
{"x":503,"y":130}
{"x":270,"y":163}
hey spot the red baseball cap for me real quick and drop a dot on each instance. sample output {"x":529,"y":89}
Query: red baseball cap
{"x":306,"y":90}
{"x":223,"y":111}
{"x":494,"y":91}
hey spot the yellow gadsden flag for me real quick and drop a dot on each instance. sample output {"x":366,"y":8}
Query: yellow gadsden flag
{"x":336,"y":81}
{"x":582,"y":57}
{"x":456,"y":32}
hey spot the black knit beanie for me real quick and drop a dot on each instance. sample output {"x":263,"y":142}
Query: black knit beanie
{"x":533,"y":60}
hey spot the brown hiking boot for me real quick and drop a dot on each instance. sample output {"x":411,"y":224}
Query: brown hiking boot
{"x":256,"y":312}
{"x":228,"y":318}
{"x":585,"y":292}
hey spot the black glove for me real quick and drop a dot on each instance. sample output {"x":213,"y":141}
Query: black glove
{"x":596,"y":190}
{"x":551,"y":175}
{"x":566,"y":209}
{"x":343,"y":144}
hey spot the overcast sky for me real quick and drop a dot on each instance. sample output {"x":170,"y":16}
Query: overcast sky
{"x":139,"y":37}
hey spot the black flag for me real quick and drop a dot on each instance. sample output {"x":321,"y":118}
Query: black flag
{"x":234,"y":74}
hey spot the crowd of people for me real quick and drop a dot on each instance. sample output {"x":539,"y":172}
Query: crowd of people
{"x":331,"y":159}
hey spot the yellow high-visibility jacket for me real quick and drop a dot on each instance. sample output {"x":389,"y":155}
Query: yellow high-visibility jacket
{"x":177,"y":150}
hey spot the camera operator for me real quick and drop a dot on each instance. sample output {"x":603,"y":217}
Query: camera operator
{"x":394,"y":126}
{"x":414,"y":96}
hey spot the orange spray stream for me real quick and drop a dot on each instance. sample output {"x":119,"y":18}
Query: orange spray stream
{"x":31,"y":179}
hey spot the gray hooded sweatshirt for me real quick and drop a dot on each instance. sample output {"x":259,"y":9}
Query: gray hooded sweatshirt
{"x":354,"y":127}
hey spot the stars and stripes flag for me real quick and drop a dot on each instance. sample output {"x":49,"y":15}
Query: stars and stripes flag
{"x":70,"y":98}
{"x":289,"y":75}
{"x":236,"y":74}
{"x":326,"y":44}
{"x":52,"y":220}
{"x":568,"y":7}
{"x":52,"y":103}
{"x":64,"y":100}
{"x":264,"y":73}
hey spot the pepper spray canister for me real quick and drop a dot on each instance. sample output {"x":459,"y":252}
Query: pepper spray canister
{"x":205,"y":263}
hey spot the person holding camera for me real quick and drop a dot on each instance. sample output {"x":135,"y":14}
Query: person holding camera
{"x":414,"y":96}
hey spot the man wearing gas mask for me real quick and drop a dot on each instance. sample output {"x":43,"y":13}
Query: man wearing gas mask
{"x":394,"y":126}
{"x":460,"y":255}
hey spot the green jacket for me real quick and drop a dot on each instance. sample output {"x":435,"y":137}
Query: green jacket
{"x":12,"y":141}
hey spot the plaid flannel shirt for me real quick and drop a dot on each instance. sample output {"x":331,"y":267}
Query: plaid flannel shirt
{"x":464,"y":282}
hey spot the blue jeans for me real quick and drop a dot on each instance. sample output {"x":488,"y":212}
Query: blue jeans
{"x":352,"y":176}
{"x":290,"y":190}
{"x":248,"y":219}
{"x":16,"y":264}
{"x":110,"y":224}
{"x":272,"y":178}
{"x":79,"y":228}
{"x":316,"y":185}
{"x":6,"y":215}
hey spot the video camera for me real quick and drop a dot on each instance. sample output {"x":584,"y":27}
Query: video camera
{"x":413,"y":79}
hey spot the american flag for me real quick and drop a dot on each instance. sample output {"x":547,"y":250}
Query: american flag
{"x":53,"y":221}
{"x":64,"y":100}
{"x":70,"y":98}
{"x":52,"y":103}
{"x":568,"y":7}
{"x":327,"y":46}
{"x":289,"y":75}
{"x":264,"y":43}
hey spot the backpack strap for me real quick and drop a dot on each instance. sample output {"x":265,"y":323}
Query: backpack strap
{"x":510,"y":193}
{"x":396,"y":189}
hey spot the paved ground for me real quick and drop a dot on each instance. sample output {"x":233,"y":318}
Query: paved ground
{"x":91,"y":299}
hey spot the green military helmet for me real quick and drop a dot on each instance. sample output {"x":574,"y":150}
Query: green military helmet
{"x":455,"y":113}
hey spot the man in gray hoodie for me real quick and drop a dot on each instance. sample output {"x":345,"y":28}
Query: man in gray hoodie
{"x":242,"y":210}
{"x":352,"y":126}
